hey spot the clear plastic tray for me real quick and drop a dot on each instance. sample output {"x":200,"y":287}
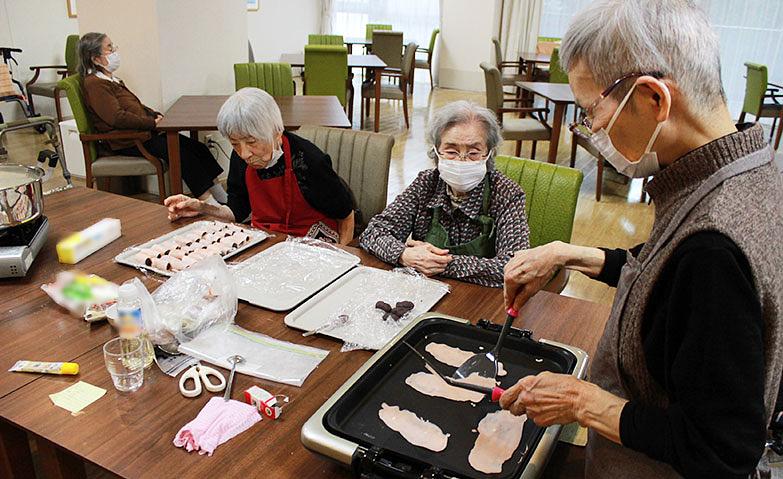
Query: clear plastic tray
{"x":354,"y":296}
{"x":127,"y":257}
{"x":285,"y":274}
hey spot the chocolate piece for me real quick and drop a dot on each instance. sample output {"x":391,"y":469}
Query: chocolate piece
{"x":407,"y":305}
{"x":383,"y":306}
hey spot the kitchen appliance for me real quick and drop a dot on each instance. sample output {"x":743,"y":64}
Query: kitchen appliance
{"x":23,"y":227}
{"x":347,"y":427}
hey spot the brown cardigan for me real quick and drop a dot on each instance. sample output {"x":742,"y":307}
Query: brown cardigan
{"x":112,"y":107}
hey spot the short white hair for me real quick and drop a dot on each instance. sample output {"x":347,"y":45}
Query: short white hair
{"x":459,"y":113}
{"x":250,"y":112}
{"x":670,"y":37}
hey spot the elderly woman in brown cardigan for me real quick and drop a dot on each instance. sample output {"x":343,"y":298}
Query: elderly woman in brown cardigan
{"x":112,"y":106}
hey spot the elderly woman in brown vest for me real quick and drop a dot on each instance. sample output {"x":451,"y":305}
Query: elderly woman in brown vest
{"x":685,"y":377}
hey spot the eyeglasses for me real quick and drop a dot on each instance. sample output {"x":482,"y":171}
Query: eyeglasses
{"x":452,"y":155}
{"x":113,"y":47}
{"x":586,"y":116}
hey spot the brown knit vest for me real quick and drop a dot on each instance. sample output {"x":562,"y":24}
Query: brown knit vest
{"x":748,"y":209}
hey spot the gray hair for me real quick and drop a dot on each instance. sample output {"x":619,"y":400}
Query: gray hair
{"x":90,"y":46}
{"x":459,"y":113}
{"x":250,"y":112}
{"x":670,"y":37}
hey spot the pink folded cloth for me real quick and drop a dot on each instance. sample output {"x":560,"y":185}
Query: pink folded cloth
{"x":215,"y":424}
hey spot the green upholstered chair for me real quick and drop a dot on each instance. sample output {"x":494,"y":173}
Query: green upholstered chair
{"x":49,"y":89}
{"x":533,"y":128}
{"x":371,"y":27}
{"x":423,"y":64}
{"x":362,"y":159}
{"x":392,"y":91}
{"x":551,"y":193}
{"x":274,"y":78}
{"x":99,"y":163}
{"x":556,"y":72}
{"x":326,"y":73}
{"x":315,"y":39}
{"x":757,"y":91}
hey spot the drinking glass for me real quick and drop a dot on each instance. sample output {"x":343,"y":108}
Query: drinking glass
{"x":125,"y":363}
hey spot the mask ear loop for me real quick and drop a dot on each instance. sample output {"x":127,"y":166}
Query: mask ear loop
{"x":653,"y":137}
{"x":620,"y":108}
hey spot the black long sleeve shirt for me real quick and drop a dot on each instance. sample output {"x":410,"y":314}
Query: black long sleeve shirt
{"x":703,"y":340}
{"x":321,"y":187}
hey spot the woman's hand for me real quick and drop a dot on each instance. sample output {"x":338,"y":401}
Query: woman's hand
{"x":181,"y":206}
{"x":528,"y":271}
{"x":424,"y":257}
{"x":548,"y":398}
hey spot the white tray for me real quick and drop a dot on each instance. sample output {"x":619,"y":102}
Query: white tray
{"x":126,"y":257}
{"x":349,"y":291}
{"x":287,"y":273}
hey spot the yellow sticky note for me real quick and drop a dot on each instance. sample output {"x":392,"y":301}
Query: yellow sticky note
{"x":77,"y":397}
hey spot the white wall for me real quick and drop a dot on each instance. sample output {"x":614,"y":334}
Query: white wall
{"x":467,"y":27}
{"x":39,"y":28}
{"x":282,"y":27}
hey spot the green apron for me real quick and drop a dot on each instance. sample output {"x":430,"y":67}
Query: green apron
{"x":482,"y":246}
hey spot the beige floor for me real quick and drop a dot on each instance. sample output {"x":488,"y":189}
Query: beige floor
{"x":618,"y":220}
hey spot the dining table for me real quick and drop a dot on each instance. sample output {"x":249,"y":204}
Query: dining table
{"x":370,"y":62}
{"x":196,"y":113}
{"x":561,"y":96}
{"x":130,"y":434}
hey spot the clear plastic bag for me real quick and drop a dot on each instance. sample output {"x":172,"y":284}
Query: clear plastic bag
{"x":192,"y":301}
{"x":362,"y":325}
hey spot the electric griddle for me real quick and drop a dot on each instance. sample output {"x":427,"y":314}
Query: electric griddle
{"x":347,"y":427}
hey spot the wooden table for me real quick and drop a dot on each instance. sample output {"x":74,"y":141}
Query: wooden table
{"x":199,"y":113}
{"x":130,"y":434}
{"x":528,"y":61}
{"x":561,"y":95}
{"x":372,"y":62}
{"x":351,"y":41}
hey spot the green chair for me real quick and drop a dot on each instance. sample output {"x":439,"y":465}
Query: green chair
{"x":533,"y":128}
{"x":371,"y":27}
{"x":556,"y":72}
{"x":103,"y":164}
{"x":274,"y":78}
{"x":315,"y":39}
{"x":49,"y":89}
{"x":551,"y":194}
{"x":427,"y":64}
{"x":392,"y":91}
{"x":326,"y":73}
{"x":756,"y":91}
{"x":362,"y":159}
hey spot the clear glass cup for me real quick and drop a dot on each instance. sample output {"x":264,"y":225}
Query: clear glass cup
{"x":125,"y":363}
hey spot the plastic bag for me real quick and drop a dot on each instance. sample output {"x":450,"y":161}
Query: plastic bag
{"x":361,"y":324}
{"x":84,"y":295}
{"x":192,"y":301}
{"x":264,"y":357}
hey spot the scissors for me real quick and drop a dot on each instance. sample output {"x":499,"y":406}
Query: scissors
{"x":200,"y":374}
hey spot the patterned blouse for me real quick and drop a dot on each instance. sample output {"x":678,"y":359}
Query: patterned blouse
{"x":410,"y":214}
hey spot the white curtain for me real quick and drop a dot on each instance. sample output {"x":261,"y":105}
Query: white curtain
{"x":327,"y":19}
{"x":415,"y":18}
{"x":520,"y":27}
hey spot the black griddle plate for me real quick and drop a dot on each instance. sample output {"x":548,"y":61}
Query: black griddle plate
{"x":355,"y":415}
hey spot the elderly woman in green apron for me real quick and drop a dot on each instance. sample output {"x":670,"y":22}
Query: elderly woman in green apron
{"x":462,"y":219}
{"x":686,"y":375}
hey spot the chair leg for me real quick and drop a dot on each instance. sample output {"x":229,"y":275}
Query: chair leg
{"x":104,"y":183}
{"x":58,"y":108}
{"x":533,"y":151}
{"x":87,"y":165}
{"x":599,"y":179}
{"x":741,"y":118}
{"x":572,"y":162}
{"x":413,"y":80}
{"x":432,"y":84}
{"x":772,"y":130}
{"x":405,"y":104}
{"x":518,"y":150}
{"x":361,"y":113}
{"x":780,"y":129}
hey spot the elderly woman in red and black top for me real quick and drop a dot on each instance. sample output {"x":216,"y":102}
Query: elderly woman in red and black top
{"x":276,"y":180}
{"x":463,"y":219}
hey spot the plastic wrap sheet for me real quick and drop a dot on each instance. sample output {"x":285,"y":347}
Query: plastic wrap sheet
{"x":192,"y":301}
{"x":265,"y":357}
{"x":287,"y":273}
{"x":361,"y":324}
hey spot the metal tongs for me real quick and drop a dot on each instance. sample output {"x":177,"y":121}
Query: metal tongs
{"x":494,"y":392}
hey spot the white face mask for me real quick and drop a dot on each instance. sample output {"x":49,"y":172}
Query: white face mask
{"x":113,"y":60}
{"x":642,"y":168}
{"x":462,"y":176}
{"x":277,"y":153}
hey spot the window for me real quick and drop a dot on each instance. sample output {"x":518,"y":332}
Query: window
{"x":415,"y":18}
